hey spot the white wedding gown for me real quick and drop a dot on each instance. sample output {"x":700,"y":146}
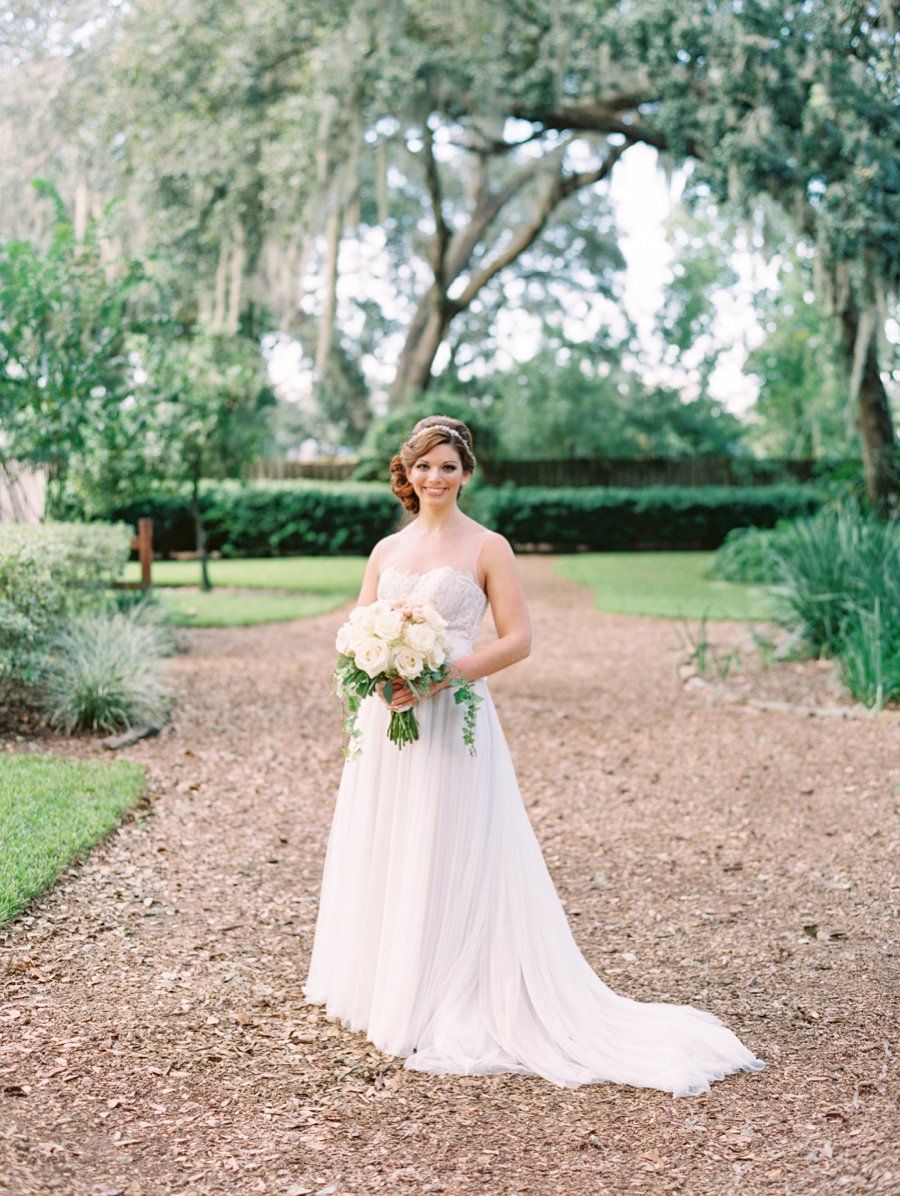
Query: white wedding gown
{"x":440,"y":933}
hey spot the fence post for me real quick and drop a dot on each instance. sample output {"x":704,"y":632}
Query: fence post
{"x":145,"y":550}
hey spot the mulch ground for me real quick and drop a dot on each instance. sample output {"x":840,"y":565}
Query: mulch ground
{"x":153,"y":1033}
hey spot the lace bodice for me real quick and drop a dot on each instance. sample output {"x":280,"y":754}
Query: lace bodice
{"x":453,"y":592}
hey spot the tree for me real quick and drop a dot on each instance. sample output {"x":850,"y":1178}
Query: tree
{"x":702,"y":272}
{"x":801,"y":409}
{"x":206,"y":400}
{"x":66,"y":314}
{"x":269,"y":137}
{"x":797,"y":102}
{"x":578,"y":404}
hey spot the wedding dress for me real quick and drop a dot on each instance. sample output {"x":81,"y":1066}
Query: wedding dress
{"x":440,"y":933}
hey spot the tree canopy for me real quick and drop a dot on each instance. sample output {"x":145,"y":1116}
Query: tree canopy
{"x":463,"y":144}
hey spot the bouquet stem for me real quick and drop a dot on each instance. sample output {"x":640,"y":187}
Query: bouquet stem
{"x":403,"y":727}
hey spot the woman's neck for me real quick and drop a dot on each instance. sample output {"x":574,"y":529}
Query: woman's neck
{"x":429,"y":523}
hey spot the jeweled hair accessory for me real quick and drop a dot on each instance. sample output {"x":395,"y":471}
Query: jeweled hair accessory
{"x":451,"y":432}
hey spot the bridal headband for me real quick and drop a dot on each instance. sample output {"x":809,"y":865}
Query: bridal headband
{"x":451,"y":432}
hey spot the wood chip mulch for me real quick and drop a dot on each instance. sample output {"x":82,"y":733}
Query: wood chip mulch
{"x":153,"y":1034}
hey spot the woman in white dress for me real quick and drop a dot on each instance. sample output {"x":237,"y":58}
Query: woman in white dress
{"x":440,"y":933}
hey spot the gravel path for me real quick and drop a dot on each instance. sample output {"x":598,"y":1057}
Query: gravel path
{"x":153,"y":1035}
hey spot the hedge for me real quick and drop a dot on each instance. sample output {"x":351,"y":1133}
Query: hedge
{"x":262,"y":519}
{"x":319,"y":518}
{"x":616,"y":520}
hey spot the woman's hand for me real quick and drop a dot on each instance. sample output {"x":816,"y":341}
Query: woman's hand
{"x":402,"y":697}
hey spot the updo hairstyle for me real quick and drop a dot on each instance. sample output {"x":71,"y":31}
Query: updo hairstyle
{"x":425,"y":436}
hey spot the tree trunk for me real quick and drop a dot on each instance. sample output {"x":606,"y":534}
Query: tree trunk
{"x":238,"y":260}
{"x":451,"y":254}
{"x":200,"y":536}
{"x":325,"y":335}
{"x":873,"y":414}
{"x":426,"y":332}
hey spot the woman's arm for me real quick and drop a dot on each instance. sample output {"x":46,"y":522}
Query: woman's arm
{"x":369,"y":590}
{"x":503,"y":586}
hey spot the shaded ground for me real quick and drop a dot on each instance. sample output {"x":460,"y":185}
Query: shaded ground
{"x":153,"y":1035}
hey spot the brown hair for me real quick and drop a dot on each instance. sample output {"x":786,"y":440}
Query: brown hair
{"x":426,"y":435}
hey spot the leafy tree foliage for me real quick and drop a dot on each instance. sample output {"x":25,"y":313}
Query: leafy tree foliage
{"x":66,"y":315}
{"x":801,"y":409}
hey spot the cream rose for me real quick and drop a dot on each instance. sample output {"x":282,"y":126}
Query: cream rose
{"x":408,"y":662}
{"x":362,"y":617}
{"x":436,"y":656}
{"x":346,"y":640}
{"x":420,"y":636}
{"x":388,"y":623}
{"x":433,"y":618}
{"x":372,"y":656}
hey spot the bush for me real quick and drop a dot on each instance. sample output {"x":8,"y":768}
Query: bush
{"x":839,"y":588}
{"x":300,"y":518}
{"x":104,"y":673}
{"x":746,"y":556}
{"x":47,"y":573}
{"x":616,"y":520}
{"x":265,"y":519}
{"x":836,"y":577}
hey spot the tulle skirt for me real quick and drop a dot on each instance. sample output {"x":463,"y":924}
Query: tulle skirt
{"x":441,"y":936}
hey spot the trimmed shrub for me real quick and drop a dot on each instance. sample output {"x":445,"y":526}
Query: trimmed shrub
{"x":300,"y":518}
{"x":263,"y":518}
{"x":47,"y":573}
{"x":104,"y":672}
{"x":608,"y":520}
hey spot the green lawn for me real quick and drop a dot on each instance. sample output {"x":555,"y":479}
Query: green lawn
{"x":308,"y":585}
{"x":671,"y":585}
{"x":668,"y":584}
{"x":222,"y":608}
{"x":52,"y":812}
{"x":309,"y":574}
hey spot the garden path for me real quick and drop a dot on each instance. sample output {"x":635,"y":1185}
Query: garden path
{"x":153,"y":1035}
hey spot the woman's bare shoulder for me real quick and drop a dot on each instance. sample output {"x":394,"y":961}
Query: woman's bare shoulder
{"x":495,"y":546}
{"x":384,"y":546}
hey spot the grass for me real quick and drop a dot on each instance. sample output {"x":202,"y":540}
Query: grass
{"x":670,"y":585}
{"x":309,"y":574}
{"x":52,"y":812}
{"x":224,"y":609}
{"x":308,"y":585}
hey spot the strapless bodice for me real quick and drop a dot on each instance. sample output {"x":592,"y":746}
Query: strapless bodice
{"x":455,"y":593}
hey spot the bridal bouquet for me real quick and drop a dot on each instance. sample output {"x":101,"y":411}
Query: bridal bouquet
{"x":387,"y":641}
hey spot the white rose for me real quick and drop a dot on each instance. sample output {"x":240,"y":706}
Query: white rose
{"x":345,"y":639}
{"x":362,"y":618}
{"x":433,"y":617}
{"x":388,"y":623}
{"x":437,"y":656}
{"x":372,"y":656}
{"x":408,"y":662}
{"x":420,"y":636}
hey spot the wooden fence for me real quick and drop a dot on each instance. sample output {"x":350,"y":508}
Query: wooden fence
{"x":627,"y":473}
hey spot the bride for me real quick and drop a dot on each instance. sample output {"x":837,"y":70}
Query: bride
{"x":440,"y":933}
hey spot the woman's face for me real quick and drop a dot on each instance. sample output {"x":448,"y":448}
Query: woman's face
{"x":437,"y":476}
